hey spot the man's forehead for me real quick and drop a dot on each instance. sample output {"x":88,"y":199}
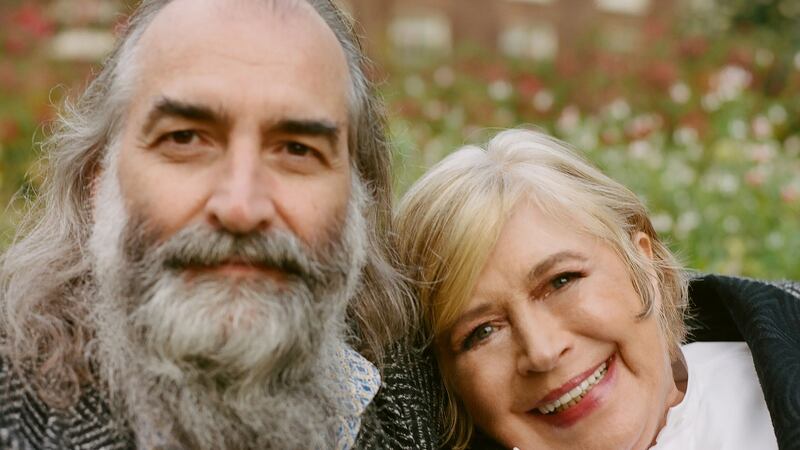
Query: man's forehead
{"x":209,"y":20}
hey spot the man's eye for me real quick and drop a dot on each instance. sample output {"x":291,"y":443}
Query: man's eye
{"x":181,"y":137}
{"x":298,"y":149}
{"x":479,"y":334}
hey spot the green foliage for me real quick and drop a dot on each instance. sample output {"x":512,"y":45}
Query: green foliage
{"x":705,"y":128}
{"x":700,"y":128}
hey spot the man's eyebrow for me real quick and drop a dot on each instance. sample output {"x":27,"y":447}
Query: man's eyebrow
{"x":167,"y":107}
{"x":548,"y":263}
{"x":308,"y":127}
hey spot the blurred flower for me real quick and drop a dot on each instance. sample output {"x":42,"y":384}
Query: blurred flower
{"x":414,"y":86}
{"x":685,"y":135}
{"x":710,"y":102}
{"x":434,"y":109}
{"x":789,"y":194}
{"x":755,"y":177}
{"x":17,"y":45}
{"x":731,"y":224}
{"x":642,"y":125}
{"x":661,"y":74}
{"x":764,"y":57}
{"x":619,"y":109}
{"x":641,"y":149}
{"x":680,"y":92}
{"x":444,"y":77}
{"x":777,"y":114}
{"x":727,"y":183}
{"x":694,"y":46}
{"x":775,"y":240}
{"x":762,"y":127}
{"x":687,"y":222}
{"x":762,"y":153}
{"x":9,"y":130}
{"x":792,"y":146}
{"x":528,"y":85}
{"x":569,"y":119}
{"x":737,"y":129}
{"x":8,"y":77}
{"x":32,"y":20}
{"x":662,"y":222}
{"x":543,"y":100}
{"x":500,"y":90}
{"x":730,"y":81}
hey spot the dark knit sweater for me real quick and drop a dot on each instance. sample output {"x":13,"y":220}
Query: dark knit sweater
{"x":404,"y":414}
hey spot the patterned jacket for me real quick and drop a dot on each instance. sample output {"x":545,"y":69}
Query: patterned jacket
{"x":404,"y":414}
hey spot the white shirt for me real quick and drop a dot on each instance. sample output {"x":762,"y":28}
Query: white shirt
{"x":723,"y":408}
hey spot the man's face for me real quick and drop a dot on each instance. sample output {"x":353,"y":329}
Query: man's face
{"x":229,"y":233}
{"x":239,"y":121}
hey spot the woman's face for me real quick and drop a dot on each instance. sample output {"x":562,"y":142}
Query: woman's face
{"x":549,"y":352}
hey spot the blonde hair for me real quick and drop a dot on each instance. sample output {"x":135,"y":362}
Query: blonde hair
{"x":450,"y":220}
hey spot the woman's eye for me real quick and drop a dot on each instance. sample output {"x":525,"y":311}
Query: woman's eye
{"x":478,"y":334}
{"x":563,"y":279}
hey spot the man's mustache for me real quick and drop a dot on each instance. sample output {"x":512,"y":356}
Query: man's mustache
{"x":203,"y":246}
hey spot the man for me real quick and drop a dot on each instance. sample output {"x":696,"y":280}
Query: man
{"x":206,"y":254}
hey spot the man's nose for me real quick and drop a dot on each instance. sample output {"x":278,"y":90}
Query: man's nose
{"x":542,"y":341}
{"x":241,"y":200}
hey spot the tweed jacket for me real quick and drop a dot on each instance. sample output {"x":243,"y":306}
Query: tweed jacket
{"x":404,"y":414}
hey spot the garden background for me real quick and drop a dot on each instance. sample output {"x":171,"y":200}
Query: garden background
{"x":694,"y":104}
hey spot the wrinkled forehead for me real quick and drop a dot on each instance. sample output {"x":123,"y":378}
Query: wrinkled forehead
{"x":260,"y":31}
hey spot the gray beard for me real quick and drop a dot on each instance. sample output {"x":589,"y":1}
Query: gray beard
{"x":210,"y":362}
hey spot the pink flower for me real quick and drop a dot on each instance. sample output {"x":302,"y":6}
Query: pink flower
{"x":789,"y":194}
{"x":754,"y":178}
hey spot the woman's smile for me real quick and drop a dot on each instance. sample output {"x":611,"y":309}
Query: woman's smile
{"x":577,"y":398}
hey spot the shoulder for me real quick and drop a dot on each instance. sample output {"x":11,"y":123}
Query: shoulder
{"x":766,"y":315}
{"x":405,"y":412}
{"x":27,"y":422}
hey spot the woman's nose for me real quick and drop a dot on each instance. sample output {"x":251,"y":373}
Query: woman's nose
{"x":542,"y":342}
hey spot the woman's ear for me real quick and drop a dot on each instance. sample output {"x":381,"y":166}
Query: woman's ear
{"x":643,"y":244}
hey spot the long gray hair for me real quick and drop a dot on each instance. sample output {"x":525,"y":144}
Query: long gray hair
{"x":44,"y":326}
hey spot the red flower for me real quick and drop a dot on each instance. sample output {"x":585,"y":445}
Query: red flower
{"x":16,"y":45}
{"x":661,"y":74}
{"x":31,"y":19}
{"x":528,"y":85}
{"x":694,"y":47}
{"x":9,"y":130}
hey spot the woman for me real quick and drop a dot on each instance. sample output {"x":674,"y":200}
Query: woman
{"x":557,"y":315}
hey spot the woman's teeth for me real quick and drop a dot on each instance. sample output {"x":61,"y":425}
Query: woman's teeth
{"x":572,"y":397}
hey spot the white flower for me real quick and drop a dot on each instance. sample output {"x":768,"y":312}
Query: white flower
{"x":680,"y":92}
{"x":619,"y":109}
{"x":737,"y":129}
{"x":414,"y":86}
{"x":543,"y":100}
{"x":777,"y":114}
{"x":762,"y":127}
{"x":500,"y":90}
{"x":662,"y":222}
{"x":685,"y":135}
{"x":569,"y":119}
